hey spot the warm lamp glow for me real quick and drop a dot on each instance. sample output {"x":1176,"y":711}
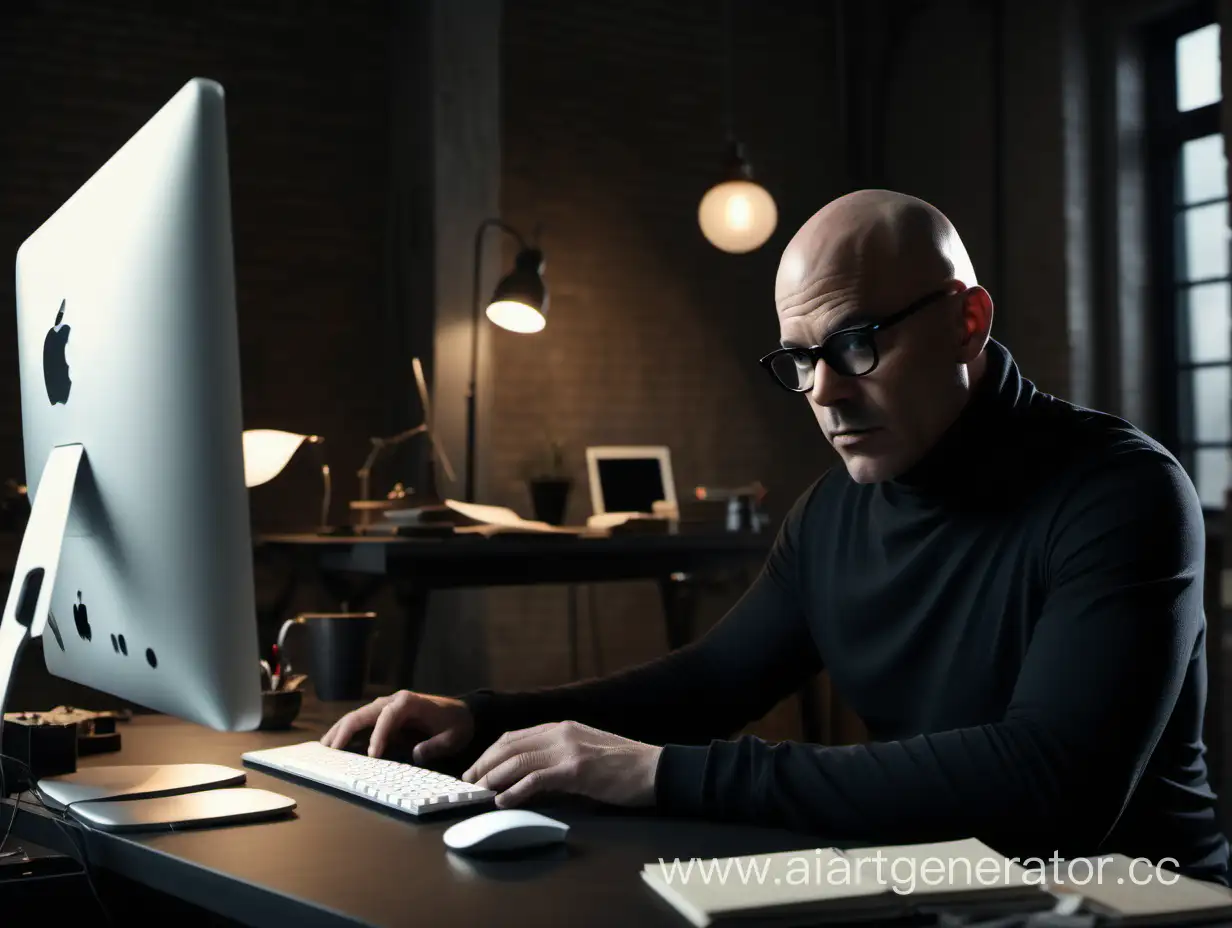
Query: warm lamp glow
{"x":737,"y":216}
{"x":516,"y":317}
{"x":266,"y":453}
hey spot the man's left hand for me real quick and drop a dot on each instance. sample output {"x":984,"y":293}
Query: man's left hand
{"x":567,"y":757}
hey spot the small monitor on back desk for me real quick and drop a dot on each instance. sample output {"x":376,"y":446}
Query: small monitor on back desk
{"x":629,"y":478}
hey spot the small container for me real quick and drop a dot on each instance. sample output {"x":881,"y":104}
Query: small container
{"x":279,"y":708}
{"x":339,"y":644}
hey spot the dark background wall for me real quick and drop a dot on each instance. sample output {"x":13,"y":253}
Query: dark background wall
{"x":308,"y":109}
{"x":613,"y":130}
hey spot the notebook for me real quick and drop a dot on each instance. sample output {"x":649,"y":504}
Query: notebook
{"x":1139,"y":894}
{"x":820,"y":885}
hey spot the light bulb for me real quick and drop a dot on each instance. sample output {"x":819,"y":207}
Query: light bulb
{"x":516,"y":316}
{"x":737,"y":216}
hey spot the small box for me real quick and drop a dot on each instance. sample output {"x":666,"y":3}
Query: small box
{"x":35,"y":748}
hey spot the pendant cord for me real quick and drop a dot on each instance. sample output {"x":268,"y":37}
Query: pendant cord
{"x":729,"y":67}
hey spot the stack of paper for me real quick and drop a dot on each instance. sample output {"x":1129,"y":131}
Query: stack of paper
{"x":487,"y":520}
{"x":1138,"y":893}
{"x":821,"y":885}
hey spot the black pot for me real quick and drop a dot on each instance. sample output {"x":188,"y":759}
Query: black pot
{"x":549,"y":498}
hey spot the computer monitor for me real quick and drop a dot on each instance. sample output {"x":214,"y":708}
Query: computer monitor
{"x":629,"y":478}
{"x":137,"y":556}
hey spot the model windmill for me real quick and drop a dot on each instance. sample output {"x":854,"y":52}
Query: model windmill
{"x":427,"y":499}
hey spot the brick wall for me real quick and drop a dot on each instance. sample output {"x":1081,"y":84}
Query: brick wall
{"x":613,"y":122}
{"x":613,"y":131}
{"x":307,"y":108}
{"x":984,"y":140}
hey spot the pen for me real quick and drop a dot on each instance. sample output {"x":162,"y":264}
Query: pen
{"x":284,"y":670}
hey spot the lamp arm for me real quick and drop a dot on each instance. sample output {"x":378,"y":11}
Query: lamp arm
{"x":379,"y":445}
{"x":318,"y":444}
{"x":489,"y":223}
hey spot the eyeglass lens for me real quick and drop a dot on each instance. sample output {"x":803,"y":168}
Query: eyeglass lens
{"x":850,"y":354}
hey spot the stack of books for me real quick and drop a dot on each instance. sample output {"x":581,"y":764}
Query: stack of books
{"x":818,"y":886}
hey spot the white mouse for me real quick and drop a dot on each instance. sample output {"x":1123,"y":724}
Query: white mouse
{"x":504,"y":830}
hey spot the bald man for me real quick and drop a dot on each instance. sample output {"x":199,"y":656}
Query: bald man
{"x":1007,"y":589}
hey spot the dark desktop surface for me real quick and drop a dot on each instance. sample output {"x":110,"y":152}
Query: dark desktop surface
{"x":340,"y":862}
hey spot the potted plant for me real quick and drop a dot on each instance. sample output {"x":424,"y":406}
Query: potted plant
{"x":549,"y":485}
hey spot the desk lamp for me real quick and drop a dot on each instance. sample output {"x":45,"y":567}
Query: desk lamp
{"x":428,"y":497}
{"x":519,"y":303}
{"x":267,"y":453}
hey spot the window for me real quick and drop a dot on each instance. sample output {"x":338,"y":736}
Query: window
{"x":1193,"y":293}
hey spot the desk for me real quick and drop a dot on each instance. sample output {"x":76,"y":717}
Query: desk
{"x":340,"y":862}
{"x":416,"y":566}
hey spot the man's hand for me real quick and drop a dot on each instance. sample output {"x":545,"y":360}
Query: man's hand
{"x":567,"y":757}
{"x":446,"y":723}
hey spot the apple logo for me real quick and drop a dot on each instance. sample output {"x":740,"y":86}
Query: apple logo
{"x":81,"y":618}
{"x":55,"y":364}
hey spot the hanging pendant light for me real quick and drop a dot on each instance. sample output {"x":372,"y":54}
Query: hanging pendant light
{"x":737,"y":214}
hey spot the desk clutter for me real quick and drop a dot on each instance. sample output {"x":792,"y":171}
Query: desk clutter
{"x":632,"y":491}
{"x":963,"y":882}
{"x":39,"y":744}
{"x":713,"y":512}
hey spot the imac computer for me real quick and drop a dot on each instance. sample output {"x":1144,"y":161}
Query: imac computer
{"x":136,"y":565}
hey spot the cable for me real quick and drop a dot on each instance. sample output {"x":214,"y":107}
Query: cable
{"x":12,"y":818}
{"x":729,"y":68}
{"x":80,"y":855}
{"x":3,"y":788}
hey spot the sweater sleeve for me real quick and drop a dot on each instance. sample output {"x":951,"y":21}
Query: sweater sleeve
{"x":1121,"y":621}
{"x":753,"y":657}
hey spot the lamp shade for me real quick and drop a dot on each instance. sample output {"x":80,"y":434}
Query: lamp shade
{"x":520,"y":301}
{"x":737,"y":215}
{"x":267,"y":452}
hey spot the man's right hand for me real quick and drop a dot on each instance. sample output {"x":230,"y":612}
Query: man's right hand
{"x":446,"y":724}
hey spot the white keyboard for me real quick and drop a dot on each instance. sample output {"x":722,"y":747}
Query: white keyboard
{"x":413,"y":790}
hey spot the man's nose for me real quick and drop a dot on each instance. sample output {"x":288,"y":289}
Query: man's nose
{"x":830,"y":387}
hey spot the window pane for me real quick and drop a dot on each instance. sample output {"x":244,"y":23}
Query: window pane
{"x":1204,"y":172}
{"x":1197,"y":68}
{"x":1204,"y":242}
{"x":1208,"y":320}
{"x":1206,"y":401}
{"x":1210,"y":476}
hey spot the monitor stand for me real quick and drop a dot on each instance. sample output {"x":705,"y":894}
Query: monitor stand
{"x":25,"y":616}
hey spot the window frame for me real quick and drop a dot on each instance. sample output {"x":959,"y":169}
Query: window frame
{"x":1167,"y":131}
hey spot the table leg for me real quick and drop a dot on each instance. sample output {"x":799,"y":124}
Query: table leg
{"x":574,"y":669}
{"x":351,"y":592}
{"x":412,"y":600}
{"x":271,"y":613}
{"x":679,"y":595}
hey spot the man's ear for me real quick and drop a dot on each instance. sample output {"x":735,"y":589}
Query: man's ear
{"x":977,"y":314}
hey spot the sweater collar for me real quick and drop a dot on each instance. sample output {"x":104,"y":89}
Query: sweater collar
{"x":967,"y":455}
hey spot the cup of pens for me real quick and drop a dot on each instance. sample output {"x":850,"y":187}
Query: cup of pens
{"x":282,"y":694}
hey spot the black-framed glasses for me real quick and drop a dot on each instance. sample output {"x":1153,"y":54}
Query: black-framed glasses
{"x":851,"y":352}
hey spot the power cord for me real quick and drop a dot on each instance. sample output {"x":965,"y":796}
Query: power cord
{"x":12,"y":818}
{"x":66,"y":825}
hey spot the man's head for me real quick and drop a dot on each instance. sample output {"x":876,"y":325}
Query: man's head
{"x":865,"y":258}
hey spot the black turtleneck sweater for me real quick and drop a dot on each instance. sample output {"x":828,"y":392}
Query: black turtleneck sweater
{"x":1018,"y":620}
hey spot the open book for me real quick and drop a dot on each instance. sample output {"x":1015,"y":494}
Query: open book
{"x":1138,"y":893}
{"x":818,"y":885}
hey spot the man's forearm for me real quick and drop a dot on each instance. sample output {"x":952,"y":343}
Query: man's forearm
{"x":755,"y":655}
